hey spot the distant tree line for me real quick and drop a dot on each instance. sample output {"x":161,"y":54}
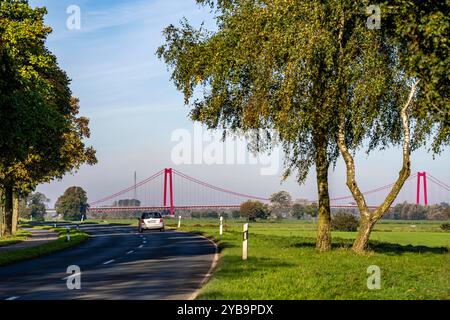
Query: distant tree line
{"x":406,"y":211}
{"x":127,"y":203}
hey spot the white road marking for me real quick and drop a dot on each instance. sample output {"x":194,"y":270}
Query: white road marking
{"x":141,"y":246}
{"x":12,"y":298}
{"x":108,"y":262}
{"x":130,"y":252}
{"x":72,"y":275}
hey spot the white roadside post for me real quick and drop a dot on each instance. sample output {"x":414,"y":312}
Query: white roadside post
{"x":68,"y":234}
{"x":179,"y":222}
{"x":221,"y":227}
{"x":245,"y":243}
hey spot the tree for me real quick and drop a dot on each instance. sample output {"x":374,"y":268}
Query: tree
{"x":72,"y":205}
{"x":37,"y":205}
{"x":422,"y":58}
{"x":447,"y":212}
{"x":252,"y":210}
{"x":24,"y":211}
{"x":272,"y":66}
{"x":343,"y":221}
{"x":33,"y":206}
{"x":127,"y":203}
{"x":421,"y":29}
{"x":298,"y":211}
{"x":41,"y":133}
{"x":280,"y":204}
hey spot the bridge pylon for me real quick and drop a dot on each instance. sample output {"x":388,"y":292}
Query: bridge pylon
{"x":168,"y":175}
{"x":421,"y":175}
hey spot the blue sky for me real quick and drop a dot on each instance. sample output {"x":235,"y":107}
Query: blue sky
{"x":134,"y":108}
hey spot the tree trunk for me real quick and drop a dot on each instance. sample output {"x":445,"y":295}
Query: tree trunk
{"x":362,"y":239}
{"x":324,"y":222}
{"x":369,"y":219}
{"x":2,"y":211}
{"x":8,"y":211}
{"x":15,"y":215}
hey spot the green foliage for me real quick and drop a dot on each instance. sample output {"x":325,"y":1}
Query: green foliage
{"x":292,"y":71}
{"x":127,"y":203}
{"x":207,"y":215}
{"x":72,"y":204}
{"x":236,"y":214}
{"x":343,"y":221}
{"x":284,"y":65}
{"x":446,"y":227}
{"x":41,"y":136}
{"x":33,"y":206}
{"x":421,"y":29}
{"x":252,"y":210}
{"x":280,"y":204}
{"x":300,"y":211}
{"x":406,"y":211}
{"x":37,"y":205}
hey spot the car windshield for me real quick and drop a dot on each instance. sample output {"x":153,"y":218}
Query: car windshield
{"x":151,"y":215}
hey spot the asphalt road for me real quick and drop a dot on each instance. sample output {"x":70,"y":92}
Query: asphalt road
{"x":117,"y":263}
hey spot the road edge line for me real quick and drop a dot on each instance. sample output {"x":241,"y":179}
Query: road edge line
{"x":213,"y":266}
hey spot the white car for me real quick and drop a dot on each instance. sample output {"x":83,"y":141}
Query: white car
{"x":151,"y":221}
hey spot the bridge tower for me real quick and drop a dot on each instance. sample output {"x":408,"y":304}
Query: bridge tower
{"x":421,"y":175}
{"x":168,"y":175}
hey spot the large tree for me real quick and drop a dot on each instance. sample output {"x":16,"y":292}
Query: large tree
{"x":34,"y":207}
{"x":41,"y":136}
{"x":72,"y":205}
{"x":252,"y":210}
{"x":280,"y":204}
{"x":417,"y":30}
{"x":284,"y":66}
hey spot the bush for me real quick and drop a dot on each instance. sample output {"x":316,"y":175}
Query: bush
{"x":205,"y":215}
{"x":446,"y":227}
{"x":236,"y":214}
{"x":252,"y":210}
{"x":344,"y":222}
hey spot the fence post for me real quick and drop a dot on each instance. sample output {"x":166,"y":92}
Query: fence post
{"x":179,"y":222}
{"x":221,"y":227}
{"x":245,"y":243}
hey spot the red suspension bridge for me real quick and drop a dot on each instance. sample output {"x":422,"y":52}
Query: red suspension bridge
{"x":171,"y":190}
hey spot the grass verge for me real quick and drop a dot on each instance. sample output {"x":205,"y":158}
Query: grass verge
{"x":77,"y":237}
{"x":283,"y":263}
{"x":22,"y":235}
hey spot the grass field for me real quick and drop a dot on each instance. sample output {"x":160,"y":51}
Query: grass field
{"x":283,"y":264}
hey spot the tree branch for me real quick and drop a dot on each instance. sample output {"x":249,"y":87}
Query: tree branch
{"x":405,"y":172}
{"x":350,"y":164}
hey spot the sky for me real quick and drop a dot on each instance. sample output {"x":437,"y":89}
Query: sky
{"x":138,"y":119}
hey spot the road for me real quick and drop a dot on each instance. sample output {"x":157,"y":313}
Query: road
{"x":116,"y":263}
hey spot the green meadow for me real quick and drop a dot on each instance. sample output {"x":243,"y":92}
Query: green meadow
{"x":283,"y":264}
